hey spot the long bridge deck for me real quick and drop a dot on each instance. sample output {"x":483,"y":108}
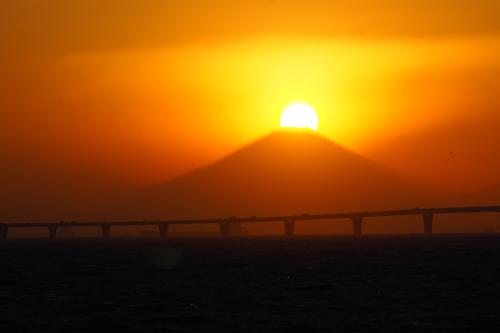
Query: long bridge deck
{"x":357,"y":219}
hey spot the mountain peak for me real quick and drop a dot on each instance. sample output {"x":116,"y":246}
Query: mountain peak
{"x":287,"y":145}
{"x":295,"y":136}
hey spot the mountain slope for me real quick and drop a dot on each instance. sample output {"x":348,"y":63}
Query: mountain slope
{"x":487,"y":196}
{"x":459,"y":154}
{"x":283,"y":173}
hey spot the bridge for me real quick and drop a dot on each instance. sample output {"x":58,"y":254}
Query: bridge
{"x":289,"y":222}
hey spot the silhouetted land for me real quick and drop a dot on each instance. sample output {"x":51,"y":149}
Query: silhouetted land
{"x":283,"y":284}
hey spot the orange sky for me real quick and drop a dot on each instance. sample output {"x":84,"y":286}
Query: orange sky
{"x":139,"y":91}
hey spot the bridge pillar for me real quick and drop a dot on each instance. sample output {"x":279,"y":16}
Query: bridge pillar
{"x":106,"y":231}
{"x":163,"y":229}
{"x":4,"y":230}
{"x":428,"y":219}
{"x":357,"y":225}
{"x":224,"y":228}
{"x":52,"y":231}
{"x":289,"y":227}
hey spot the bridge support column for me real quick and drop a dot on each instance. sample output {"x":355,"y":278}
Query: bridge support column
{"x":106,"y":231}
{"x":224,"y":228}
{"x":357,"y":226}
{"x":4,"y":230}
{"x":52,"y":231}
{"x":428,"y":219}
{"x":289,"y":227}
{"x":163,"y":229}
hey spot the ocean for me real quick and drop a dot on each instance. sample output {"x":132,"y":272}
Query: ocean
{"x":251,"y":284}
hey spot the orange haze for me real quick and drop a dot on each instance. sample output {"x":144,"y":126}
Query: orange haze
{"x":99,"y":97}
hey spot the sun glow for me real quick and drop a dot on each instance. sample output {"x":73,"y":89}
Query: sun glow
{"x":299,"y":115}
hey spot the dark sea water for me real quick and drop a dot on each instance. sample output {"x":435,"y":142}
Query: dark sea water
{"x":275,"y":284}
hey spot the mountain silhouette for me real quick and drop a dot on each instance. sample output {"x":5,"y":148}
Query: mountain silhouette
{"x":282,"y":173}
{"x":487,"y":196}
{"x":455,"y":154}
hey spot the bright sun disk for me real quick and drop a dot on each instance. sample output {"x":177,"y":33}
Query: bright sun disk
{"x":299,"y":115}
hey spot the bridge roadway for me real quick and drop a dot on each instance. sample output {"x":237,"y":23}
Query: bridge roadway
{"x":357,"y":219}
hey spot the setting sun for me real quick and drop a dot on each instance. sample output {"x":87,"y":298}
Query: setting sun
{"x":299,"y":115}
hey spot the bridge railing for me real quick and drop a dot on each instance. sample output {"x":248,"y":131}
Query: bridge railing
{"x":289,"y":222}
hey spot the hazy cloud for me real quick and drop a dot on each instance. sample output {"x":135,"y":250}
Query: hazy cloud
{"x":56,"y":26}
